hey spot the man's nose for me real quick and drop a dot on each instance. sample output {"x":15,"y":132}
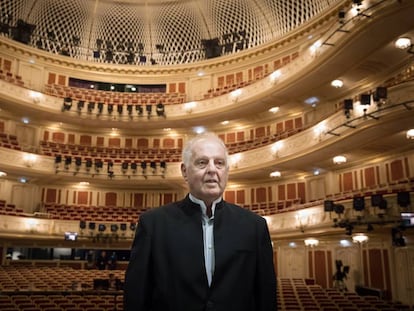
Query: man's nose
{"x":211,"y":165}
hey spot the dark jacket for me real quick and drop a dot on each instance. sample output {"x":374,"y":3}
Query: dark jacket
{"x":166,"y":271}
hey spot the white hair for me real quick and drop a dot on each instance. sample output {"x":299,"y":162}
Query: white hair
{"x":188,"y":148}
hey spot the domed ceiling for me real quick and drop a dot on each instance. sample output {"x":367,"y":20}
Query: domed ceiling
{"x":153,"y":32}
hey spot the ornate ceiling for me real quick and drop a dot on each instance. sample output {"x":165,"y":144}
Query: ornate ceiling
{"x":155,"y":32}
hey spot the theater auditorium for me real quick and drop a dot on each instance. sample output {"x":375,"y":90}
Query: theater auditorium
{"x":314,"y":100}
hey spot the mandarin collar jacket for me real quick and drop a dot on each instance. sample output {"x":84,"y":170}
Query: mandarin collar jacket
{"x":166,"y":271}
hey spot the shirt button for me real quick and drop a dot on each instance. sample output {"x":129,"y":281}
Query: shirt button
{"x":209,"y":246}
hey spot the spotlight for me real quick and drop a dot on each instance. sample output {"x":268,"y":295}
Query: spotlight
{"x":338,"y":208}
{"x":328,"y":205}
{"x":139,"y":110}
{"x":91,"y":106}
{"x":58,"y":159}
{"x":110,"y":108}
{"x":380,"y":94}
{"x":160,"y":110}
{"x":100,"y":107}
{"x":67,"y":103}
{"x":359,"y":203}
{"x":348,"y":105}
{"x":129,"y":109}
{"x":81,"y":104}
{"x":348,"y":229}
{"x":78,"y":162}
{"x":88,"y":164}
{"x":365,"y":99}
{"x":149,"y":110}
{"x":68,"y":161}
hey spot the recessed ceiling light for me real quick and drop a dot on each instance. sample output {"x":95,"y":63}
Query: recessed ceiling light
{"x":410,"y":134}
{"x":275,"y":174}
{"x":312,"y":101}
{"x":337,"y":83}
{"x":403,"y":43}
{"x":339,"y":159}
{"x":225,"y":122}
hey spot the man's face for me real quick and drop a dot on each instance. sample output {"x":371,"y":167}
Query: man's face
{"x":207,"y":172}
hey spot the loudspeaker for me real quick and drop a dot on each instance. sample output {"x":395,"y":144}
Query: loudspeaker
{"x":359,"y":203}
{"x":338,"y":208}
{"x":403,"y":198}
{"x":376,"y":199}
{"x":365,"y":99}
{"x":380,"y":93}
{"x":92,"y":226}
{"x":82,"y":224}
{"x":348,"y":104}
{"x":328,"y":205}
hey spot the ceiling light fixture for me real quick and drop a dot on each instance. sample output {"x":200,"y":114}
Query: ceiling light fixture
{"x":337,"y":83}
{"x":339,"y":159}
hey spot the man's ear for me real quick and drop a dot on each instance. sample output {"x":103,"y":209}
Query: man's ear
{"x":184,"y":171}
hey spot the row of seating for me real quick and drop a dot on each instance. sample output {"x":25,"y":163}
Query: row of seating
{"x":131,"y":214}
{"x":116,"y":98}
{"x":93,"y":213}
{"x":60,"y":302}
{"x":299,"y":295}
{"x":24,"y":278}
{"x":11,"y":78}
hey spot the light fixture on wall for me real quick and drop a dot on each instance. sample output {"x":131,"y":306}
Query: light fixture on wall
{"x":410,"y":134}
{"x":188,"y":107}
{"x":29,"y":159}
{"x":275,"y":75}
{"x":234,"y":160}
{"x":276,"y":148}
{"x":234,"y":95}
{"x":311,"y":242}
{"x":359,"y":238}
{"x":339,"y":159}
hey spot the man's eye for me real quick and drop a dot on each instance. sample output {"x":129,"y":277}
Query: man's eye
{"x":220,"y":163}
{"x":201,"y":163}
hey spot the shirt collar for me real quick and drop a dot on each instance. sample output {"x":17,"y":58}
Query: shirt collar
{"x":203,"y":205}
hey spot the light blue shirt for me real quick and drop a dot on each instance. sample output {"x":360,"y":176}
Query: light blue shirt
{"x":208,"y":236}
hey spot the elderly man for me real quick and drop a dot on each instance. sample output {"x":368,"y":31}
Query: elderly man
{"x":201,"y":253}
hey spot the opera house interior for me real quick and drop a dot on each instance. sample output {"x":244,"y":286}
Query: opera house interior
{"x":314,"y":100}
